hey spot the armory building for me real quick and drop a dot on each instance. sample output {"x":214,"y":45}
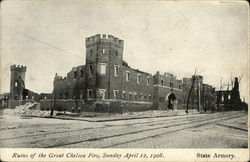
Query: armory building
{"x":106,"y":76}
{"x":107,"y":83}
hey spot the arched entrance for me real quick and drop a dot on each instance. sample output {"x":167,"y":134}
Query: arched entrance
{"x":171,"y":101}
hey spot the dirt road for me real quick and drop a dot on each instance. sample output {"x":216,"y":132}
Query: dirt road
{"x":217,"y":130}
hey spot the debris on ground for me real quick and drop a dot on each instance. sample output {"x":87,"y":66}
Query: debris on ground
{"x":155,"y":113}
{"x":33,"y":110}
{"x":28,"y":109}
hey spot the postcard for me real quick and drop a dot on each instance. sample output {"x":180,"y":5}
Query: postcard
{"x":124,"y":80}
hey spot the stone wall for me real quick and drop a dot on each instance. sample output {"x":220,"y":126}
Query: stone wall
{"x":111,"y":106}
{"x":135,"y":106}
{"x":13,"y":103}
{"x":65,"y":105}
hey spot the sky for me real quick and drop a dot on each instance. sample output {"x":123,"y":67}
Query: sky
{"x":167,"y":36}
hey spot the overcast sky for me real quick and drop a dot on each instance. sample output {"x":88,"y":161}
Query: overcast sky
{"x":49,"y":37}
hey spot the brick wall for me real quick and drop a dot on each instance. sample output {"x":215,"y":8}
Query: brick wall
{"x":107,"y":51}
{"x":162,"y":88}
{"x":136,"y":91}
{"x":72,"y":86}
{"x":103,"y":55}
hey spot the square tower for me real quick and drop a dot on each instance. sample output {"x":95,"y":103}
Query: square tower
{"x":17,"y":82}
{"x":103,"y":70}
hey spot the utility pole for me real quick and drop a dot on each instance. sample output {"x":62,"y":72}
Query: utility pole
{"x":193,"y":79}
{"x":189,"y":94}
{"x":190,"y":91}
{"x":52,"y":104}
{"x":199,"y":96}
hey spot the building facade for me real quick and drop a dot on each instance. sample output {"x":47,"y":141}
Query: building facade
{"x":106,"y":76}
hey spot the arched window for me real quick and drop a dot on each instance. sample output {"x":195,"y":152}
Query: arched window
{"x":127,"y":76}
{"x":81,"y":73}
{"x":66,"y":95}
{"x":138,"y":80}
{"x":90,"y":69}
{"x":124,"y":95}
{"x":89,"y":93}
{"x":222,"y":98}
{"x":91,"y":52}
{"x":129,"y":96}
{"x":116,"y":68}
{"x":60,"y":95}
{"x":75,"y":74}
{"x":162,"y":82}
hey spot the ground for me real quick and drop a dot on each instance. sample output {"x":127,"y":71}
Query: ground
{"x":213,"y":130}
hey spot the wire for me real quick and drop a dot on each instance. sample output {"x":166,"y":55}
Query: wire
{"x":50,"y":45}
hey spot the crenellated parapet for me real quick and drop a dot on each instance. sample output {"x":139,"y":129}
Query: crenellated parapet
{"x":18,"y":68}
{"x":60,"y":78}
{"x":104,"y":38}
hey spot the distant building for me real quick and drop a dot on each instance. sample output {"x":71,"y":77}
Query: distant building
{"x":229,"y":99}
{"x":4,"y":98}
{"x":18,"y":94}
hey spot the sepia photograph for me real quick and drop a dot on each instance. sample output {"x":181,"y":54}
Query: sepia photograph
{"x":159,"y":76}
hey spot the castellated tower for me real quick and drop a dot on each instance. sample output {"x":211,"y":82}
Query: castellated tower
{"x":104,"y":55}
{"x":17,"y":82}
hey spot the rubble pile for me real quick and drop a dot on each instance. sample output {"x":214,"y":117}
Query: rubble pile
{"x":31,"y":109}
{"x":28,"y":109}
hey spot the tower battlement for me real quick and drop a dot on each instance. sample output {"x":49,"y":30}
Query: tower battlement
{"x":104,"y":38}
{"x":18,"y":67}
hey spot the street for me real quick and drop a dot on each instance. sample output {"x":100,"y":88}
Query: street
{"x":216,"y":130}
